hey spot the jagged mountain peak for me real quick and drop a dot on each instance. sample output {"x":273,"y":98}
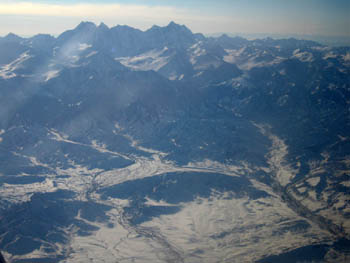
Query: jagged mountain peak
{"x":83,"y":33}
{"x":43,"y":36}
{"x":86,"y":25}
{"x":172,"y":23}
{"x":124,"y":28}
{"x":227,"y":37}
{"x":122,"y":38}
{"x":11,"y":37}
{"x":172,"y":26}
{"x":154,"y":28}
{"x":42,"y":39}
{"x":103,"y":26}
{"x":172,"y":35}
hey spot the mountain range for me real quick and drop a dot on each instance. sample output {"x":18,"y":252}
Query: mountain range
{"x":122,"y":145}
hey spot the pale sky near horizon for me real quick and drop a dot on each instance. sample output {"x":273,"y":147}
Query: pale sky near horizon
{"x":304,"y":17}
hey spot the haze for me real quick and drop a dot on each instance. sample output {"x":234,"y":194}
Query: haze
{"x":312,"y":17}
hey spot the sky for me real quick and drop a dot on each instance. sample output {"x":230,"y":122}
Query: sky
{"x":303,"y":17}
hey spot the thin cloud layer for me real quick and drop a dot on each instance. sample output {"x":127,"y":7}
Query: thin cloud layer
{"x":254,"y":16}
{"x":81,"y":10}
{"x":140,"y":16}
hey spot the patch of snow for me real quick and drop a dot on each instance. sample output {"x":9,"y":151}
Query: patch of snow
{"x":83,"y":46}
{"x":18,"y":193}
{"x":332,"y":86}
{"x":196,"y":51}
{"x":7,"y":75}
{"x":6,"y":71}
{"x":346,"y":183}
{"x":195,"y":45}
{"x":210,"y":229}
{"x":282,"y":72}
{"x":74,"y":58}
{"x":233,"y":54}
{"x":198,"y":74}
{"x":209,"y":165}
{"x":329,"y":55}
{"x":311,"y":201}
{"x":313,"y":181}
{"x":283,"y":171}
{"x":151,"y":60}
{"x":302,"y":189}
{"x":51,"y":74}
{"x":173,"y":77}
{"x":116,"y":242}
{"x":252,"y":61}
{"x":91,"y":54}
{"x":346,"y":57}
{"x":34,"y":162}
{"x":282,"y":100}
{"x":151,"y":202}
{"x":342,"y":138}
{"x":321,"y":48}
{"x":174,"y":142}
{"x":117,"y":126}
{"x":59,"y":136}
{"x":100,"y":146}
{"x":95,"y":145}
{"x":303,"y":56}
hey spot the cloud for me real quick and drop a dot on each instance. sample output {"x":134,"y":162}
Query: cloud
{"x":90,"y":10}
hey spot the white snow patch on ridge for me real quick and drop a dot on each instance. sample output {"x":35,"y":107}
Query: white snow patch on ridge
{"x":276,"y":158}
{"x":6,"y":71}
{"x":91,"y":53}
{"x":83,"y":46}
{"x":237,"y":56}
{"x":51,"y":74}
{"x":346,"y":57}
{"x":233,"y":54}
{"x":197,"y":51}
{"x":151,"y":60}
{"x":303,"y":56}
{"x":329,"y":55}
{"x":314,"y":181}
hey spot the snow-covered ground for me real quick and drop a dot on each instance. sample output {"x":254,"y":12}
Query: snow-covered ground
{"x":220,"y":228}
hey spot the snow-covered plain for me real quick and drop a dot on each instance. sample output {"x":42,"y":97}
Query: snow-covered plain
{"x":219,"y":228}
